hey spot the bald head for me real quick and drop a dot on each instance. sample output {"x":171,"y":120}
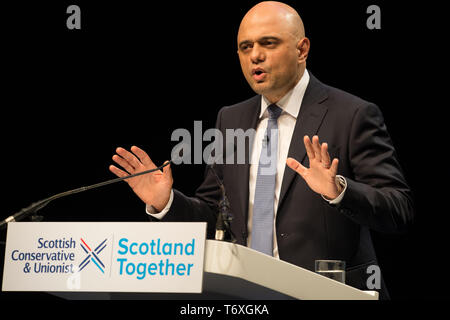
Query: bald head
{"x":273,"y":12}
{"x":272,"y":49}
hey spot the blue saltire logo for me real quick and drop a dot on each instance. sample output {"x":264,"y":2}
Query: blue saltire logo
{"x":92,"y":255}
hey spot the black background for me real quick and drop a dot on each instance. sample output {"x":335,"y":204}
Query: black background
{"x":137,"y":71}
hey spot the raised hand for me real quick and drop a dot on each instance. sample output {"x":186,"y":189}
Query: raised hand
{"x":152,"y":188}
{"x":321,"y":174}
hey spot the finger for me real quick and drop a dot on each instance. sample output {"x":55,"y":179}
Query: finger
{"x":309,"y":147}
{"x":334,"y":166}
{"x":296,"y":166}
{"x":143,"y":157}
{"x":118,"y":172}
{"x":316,"y":147}
{"x":325,"y":155}
{"x":129,"y":157}
{"x":123,"y":163}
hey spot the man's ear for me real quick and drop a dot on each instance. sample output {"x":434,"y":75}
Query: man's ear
{"x":303,"y":49}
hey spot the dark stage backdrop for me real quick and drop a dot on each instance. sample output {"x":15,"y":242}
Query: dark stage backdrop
{"x":135,"y":72}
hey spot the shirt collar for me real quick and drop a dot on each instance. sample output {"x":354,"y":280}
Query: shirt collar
{"x":291,"y":101}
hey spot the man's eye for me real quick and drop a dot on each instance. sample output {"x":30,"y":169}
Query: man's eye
{"x":269,"y":43}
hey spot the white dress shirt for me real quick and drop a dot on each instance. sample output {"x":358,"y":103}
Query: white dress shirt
{"x":290,"y":104}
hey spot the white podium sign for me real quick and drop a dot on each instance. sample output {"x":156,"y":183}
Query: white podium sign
{"x":104,"y":257}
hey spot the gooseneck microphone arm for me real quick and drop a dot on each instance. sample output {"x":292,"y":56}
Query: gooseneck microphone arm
{"x":224,"y":216}
{"x":34,"y":207}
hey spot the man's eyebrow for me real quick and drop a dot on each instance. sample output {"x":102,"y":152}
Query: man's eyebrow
{"x":265,"y":38}
{"x":268,"y":38}
{"x":244,"y":42}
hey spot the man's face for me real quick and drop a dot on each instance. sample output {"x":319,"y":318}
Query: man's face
{"x":268,"y":55}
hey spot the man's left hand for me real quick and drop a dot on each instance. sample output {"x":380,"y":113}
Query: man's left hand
{"x":321,"y":174}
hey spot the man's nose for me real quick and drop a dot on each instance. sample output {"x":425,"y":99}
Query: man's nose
{"x":257,"y":54}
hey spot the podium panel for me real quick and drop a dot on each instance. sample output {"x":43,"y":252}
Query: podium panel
{"x":104,"y":257}
{"x":285,"y":280}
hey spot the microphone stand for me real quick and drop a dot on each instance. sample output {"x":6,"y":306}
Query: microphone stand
{"x":224,"y":216}
{"x":36,"y":206}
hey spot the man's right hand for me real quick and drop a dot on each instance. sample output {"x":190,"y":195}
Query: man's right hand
{"x":152,"y":188}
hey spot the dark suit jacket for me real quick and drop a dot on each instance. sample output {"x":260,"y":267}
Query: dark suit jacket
{"x":307,"y":227}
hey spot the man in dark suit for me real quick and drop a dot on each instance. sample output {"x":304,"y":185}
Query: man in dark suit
{"x":319,"y":208}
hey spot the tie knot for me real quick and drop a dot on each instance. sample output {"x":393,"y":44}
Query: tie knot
{"x":274,"y":111}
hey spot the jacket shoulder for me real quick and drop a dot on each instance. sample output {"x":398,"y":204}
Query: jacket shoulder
{"x":249,"y":105}
{"x":345,"y":99}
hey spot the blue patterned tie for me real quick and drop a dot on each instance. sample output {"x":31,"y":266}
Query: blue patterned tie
{"x":263,"y":205}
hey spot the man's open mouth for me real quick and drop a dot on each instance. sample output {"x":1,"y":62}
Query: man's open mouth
{"x":258,"y":71}
{"x":258,"y":74}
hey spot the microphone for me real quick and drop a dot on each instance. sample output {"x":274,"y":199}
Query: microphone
{"x":34,"y":207}
{"x":224,"y":216}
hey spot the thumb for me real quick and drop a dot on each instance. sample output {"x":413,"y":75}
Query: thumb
{"x":296,"y":166}
{"x":167,"y":169}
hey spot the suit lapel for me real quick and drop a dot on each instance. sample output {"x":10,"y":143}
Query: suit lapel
{"x":248,"y":119}
{"x":308,"y":123}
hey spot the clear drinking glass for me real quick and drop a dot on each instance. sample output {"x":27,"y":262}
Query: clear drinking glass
{"x":333,"y":269}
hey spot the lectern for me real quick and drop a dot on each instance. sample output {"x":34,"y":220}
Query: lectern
{"x":245,"y":273}
{"x":230,"y":271}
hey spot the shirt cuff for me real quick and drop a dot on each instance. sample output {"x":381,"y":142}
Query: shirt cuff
{"x":341,"y":180}
{"x":151,"y":210}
